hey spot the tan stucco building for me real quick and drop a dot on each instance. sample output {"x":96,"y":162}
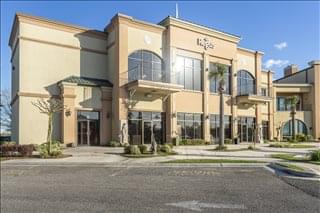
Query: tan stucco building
{"x":136,"y":80}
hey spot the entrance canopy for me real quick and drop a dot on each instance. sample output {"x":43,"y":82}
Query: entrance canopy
{"x":253,"y":99}
{"x":152,"y":87}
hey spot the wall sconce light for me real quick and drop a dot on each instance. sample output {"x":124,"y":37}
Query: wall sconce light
{"x":108,"y":115}
{"x":207,"y":117}
{"x":174,"y":114}
{"x":68,"y":112}
{"x":148,"y":95}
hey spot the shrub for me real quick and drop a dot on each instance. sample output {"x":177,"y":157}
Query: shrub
{"x":12,"y":149}
{"x":113,"y":144}
{"x":301,"y":137}
{"x":43,"y":149}
{"x":169,"y":144}
{"x":250,"y":147}
{"x":278,"y":145}
{"x":293,"y":140}
{"x":26,"y":150}
{"x":143,"y":148}
{"x":194,"y":142}
{"x":315,"y":155}
{"x":132,"y":149}
{"x":309,"y":137}
{"x":221,"y":147}
{"x":165,"y":148}
{"x":227,"y":141}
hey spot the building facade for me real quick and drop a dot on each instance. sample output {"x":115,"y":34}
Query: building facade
{"x":136,"y":80}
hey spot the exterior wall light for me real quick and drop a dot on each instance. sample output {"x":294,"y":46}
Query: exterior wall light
{"x":174,"y":114}
{"x":68,"y":112}
{"x":148,"y":95}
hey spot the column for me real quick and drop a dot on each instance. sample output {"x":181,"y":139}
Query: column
{"x":316,"y":101}
{"x":258,"y":58}
{"x":234,"y":91}
{"x":68,"y":115}
{"x":105,"y":115}
{"x":120,"y":78}
{"x":271,"y":105}
{"x":206,"y":93}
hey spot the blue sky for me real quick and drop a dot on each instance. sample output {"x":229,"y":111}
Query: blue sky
{"x":288,"y":32}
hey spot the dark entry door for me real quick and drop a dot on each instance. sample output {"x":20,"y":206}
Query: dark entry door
{"x":147,"y":131}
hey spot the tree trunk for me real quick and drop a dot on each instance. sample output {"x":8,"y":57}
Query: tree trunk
{"x":49,"y":136}
{"x":221,"y":141}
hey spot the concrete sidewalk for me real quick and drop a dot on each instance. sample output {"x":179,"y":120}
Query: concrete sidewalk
{"x":111,"y":156}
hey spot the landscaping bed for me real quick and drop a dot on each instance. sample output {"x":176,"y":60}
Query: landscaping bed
{"x":292,"y":157}
{"x":291,"y":145}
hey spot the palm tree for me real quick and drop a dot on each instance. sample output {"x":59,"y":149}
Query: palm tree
{"x":219,"y":74}
{"x":292,"y":102}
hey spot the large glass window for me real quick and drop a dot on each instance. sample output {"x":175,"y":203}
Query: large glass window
{"x":191,"y":125}
{"x":188,"y":73}
{"x":145,"y":65}
{"x":143,"y":125}
{"x":246,"y":83}
{"x":214,"y":83}
{"x":299,"y":126}
{"x":283,"y":104}
{"x":215,"y":127}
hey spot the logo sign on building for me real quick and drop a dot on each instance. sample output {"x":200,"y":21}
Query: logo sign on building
{"x":205,"y":43}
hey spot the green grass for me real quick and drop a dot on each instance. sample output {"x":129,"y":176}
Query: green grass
{"x":290,"y":157}
{"x":290,"y":145}
{"x":212,"y":161}
{"x":290,"y":166}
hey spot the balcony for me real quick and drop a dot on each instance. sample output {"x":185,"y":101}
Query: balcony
{"x":153,"y":83}
{"x":248,"y":95}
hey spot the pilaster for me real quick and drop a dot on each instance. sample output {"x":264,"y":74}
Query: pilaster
{"x":69,"y":117}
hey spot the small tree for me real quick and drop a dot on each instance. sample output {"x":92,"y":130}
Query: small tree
{"x":5,"y":109}
{"x":219,"y":74}
{"x":292,"y":103}
{"x":49,"y":107}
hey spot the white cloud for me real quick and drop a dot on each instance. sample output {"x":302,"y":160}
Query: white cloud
{"x":278,"y":63}
{"x":281,"y":45}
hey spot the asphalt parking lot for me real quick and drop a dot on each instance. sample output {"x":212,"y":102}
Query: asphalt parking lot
{"x":148,"y":189}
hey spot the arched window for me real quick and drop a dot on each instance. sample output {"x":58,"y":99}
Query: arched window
{"x":246,"y":83}
{"x":145,"y":65}
{"x":299,"y":126}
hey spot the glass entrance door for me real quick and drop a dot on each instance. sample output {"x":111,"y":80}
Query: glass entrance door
{"x":246,"y":129}
{"x":88,"y":128}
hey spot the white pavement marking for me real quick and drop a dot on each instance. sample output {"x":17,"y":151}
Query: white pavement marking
{"x":197,"y":206}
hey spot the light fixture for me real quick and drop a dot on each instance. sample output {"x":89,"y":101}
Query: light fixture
{"x":148,"y":95}
{"x":174,"y":114}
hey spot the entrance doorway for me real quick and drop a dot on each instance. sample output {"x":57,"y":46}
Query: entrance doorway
{"x":246,"y":129}
{"x":143,"y":126}
{"x":88,"y":128}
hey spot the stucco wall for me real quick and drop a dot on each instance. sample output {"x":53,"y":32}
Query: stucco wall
{"x":88,"y":97}
{"x":33,"y":124}
{"x":44,"y":64}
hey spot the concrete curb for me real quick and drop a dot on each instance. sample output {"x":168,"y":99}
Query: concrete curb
{"x":309,"y":173}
